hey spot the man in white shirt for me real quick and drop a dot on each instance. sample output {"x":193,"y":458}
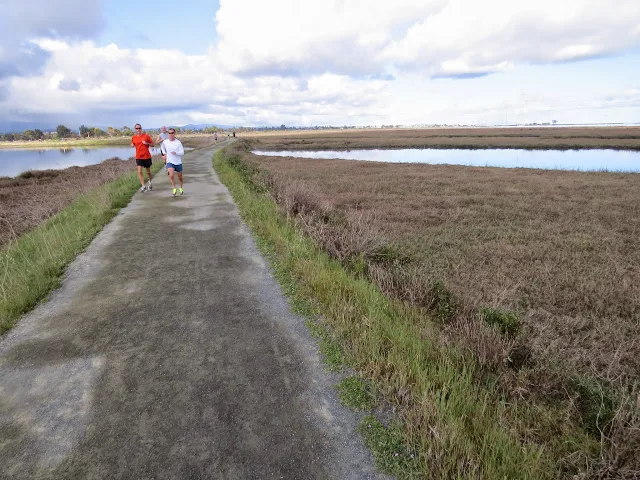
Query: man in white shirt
{"x":174,"y":152}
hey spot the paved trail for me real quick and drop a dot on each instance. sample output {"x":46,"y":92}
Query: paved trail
{"x":169,"y":352}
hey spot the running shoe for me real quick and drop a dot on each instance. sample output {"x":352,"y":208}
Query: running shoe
{"x":149,"y":187}
{"x":181,"y":191}
{"x":175,"y":192}
{"x":143,"y":188}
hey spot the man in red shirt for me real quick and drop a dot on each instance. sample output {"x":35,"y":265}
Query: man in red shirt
{"x":142,"y":141}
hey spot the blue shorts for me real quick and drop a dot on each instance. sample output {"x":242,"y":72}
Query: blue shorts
{"x":177,"y":168}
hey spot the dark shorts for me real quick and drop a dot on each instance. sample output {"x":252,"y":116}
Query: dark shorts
{"x":177,"y":168}
{"x":144,"y":162}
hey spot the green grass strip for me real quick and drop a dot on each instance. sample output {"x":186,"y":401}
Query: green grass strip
{"x":355,"y":393}
{"x":33,"y":266}
{"x":459,"y":428}
{"x":388,"y":448}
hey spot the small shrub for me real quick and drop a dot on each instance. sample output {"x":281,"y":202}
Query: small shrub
{"x":389,"y":254}
{"x":247,"y":172}
{"x":39,"y":174}
{"x":520,"y":356}
{"x":508,"y":322}
{"x":595,"y":403}
{"x":358,"y":265}
{"x":442,"y":303}
{"x":336,"y":218}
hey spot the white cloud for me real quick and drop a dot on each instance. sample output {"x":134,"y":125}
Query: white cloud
{"x":83,"y":77}
{"x":436,"y":37}
{"x":55,"y":18}
{"x":21,"y":22}
{"x":342,"y":36}
{"x":336,"y":62}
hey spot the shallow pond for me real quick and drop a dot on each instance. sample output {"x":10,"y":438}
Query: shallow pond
{"x":14,"y":161}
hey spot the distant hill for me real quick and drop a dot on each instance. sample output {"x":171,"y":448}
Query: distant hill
{"x":13,"y":127}
{"x":201,"y":126}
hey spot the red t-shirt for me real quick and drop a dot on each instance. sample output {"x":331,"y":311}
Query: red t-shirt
{"x":142,"y":150}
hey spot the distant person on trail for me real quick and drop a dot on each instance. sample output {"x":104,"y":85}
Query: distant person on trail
{"x":215,"y":137}
{"x":142,"y":141}
{"x":175,"y":151}
{"x":162,"y":136}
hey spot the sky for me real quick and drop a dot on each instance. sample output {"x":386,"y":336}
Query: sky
{"x":305,"y":62}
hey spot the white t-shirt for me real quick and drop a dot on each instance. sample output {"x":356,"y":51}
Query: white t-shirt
{"x":173,"y":146}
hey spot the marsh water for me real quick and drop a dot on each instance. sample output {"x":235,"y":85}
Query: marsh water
{"x":14,"y":161}
{"x":585,"y":160}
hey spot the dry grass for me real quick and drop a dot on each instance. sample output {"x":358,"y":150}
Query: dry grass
{"x":559,"y":246}
{"x":31,"y":198}
{"x":621,"y":138}
{"x":552,"y":255}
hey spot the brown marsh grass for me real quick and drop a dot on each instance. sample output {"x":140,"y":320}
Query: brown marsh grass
{"x":560,"y":246}
{"x":552,"y":256}
{"x":620,"y":138}
{"x":29,"y":199}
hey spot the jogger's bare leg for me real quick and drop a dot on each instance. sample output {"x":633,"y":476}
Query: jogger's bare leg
{"x":140,"y":176}
{"x":171,"y":177}
{"x":180,"y":178}
{"x":149,"y":174}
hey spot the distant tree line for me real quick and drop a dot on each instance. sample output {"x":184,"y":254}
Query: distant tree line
{"x":61,"y":132}
{"x":84,"y":131}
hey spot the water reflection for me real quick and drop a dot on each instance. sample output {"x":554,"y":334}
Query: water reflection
{"x":585,"y":160}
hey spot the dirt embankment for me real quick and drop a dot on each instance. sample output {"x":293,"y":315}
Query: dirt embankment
{"x":34,"y":196}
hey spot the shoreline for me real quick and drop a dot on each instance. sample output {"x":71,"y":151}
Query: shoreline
{"x":549,"y":138}
{"x":50,"y":144}
{"x":80,"y":143}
